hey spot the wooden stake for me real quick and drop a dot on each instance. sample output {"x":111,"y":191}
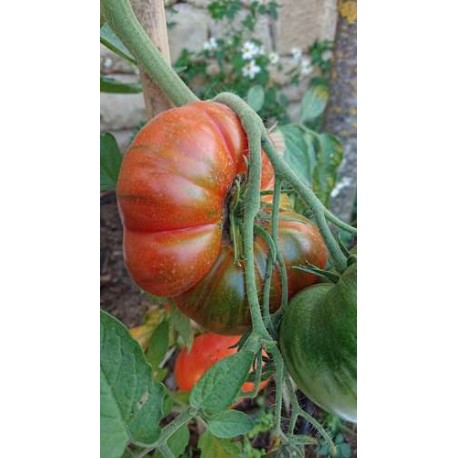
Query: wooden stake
{"x":151,"y":15}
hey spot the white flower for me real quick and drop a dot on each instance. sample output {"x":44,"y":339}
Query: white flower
{"x":306,"y":66}
{"x":108,"y":63}
{"x":327,"y":55}
{"x":274,"y":58}
{"x":297,"y":53}
{"x":250,"y":50}
{"x":251,"y":69}
{"x":211,"y":44}
{"x":261,"y":50}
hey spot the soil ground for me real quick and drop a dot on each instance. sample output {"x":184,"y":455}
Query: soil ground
{"x":118,"y":293}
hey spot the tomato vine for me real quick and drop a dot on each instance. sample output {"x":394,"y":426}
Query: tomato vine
{"x":119,"y":15}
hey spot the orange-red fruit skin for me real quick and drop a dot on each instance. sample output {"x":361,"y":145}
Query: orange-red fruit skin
{"x":172,"y":191}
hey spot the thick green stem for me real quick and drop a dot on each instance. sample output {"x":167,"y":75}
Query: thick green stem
{"x":249,"y":121}
{"x":298,"y":411}
{"x":284,"y":290}
{"x":338,"y":222}
{"x":258,"y":376}
{"x":166,"y":451}
{"x":272,"y":256}
{"x":182,"y":419}
{"x":279,"y":367}
{"x":121,"y":18}
{"x":282,"y":168}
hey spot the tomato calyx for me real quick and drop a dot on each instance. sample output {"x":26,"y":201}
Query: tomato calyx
{"x":233,"y":216}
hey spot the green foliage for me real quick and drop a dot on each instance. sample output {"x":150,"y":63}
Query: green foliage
{"x":130,"y":402}
{"x":315,"y":158}
{"x":255,"y":97}
{"x":158,"y":345}
{"x":212,"y":447}
{"x":177,"y":442}
{"x":182,"y":325}
{"x":112,"y":42}
{"x":328,"y":159}
{"x":220,"y":9}
{"x":336,"y":426}
{"x":314,"y":102}
{"x":110,"y":162}
{"x":343,"y":449}
{"x":239,"y":64}
{"x":230,"y":423}
{"x":114,"y":86}
{"x":321,"y":52}
{"x":299,"y":152}
{"x":221,"y":384}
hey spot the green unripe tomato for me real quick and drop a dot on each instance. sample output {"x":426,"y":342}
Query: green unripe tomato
{"x":318,"y":344}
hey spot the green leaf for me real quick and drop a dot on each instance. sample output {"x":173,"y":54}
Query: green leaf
{"x":299,"y":152}
{"x":182,"y":325}
{"x":329,"y":157}
{"x":221,"y":384}
{"x":255,"y":97}
{"x":130,"y":402}
{"x":230,"y":423}
{"x":110,"y":162}
{"x":213,"y":447}
{"x":314,"y":102}
{"x":112,"y":85}
{"x":112,"y":42}
{"x":344,"y":450}
{"x":177,"y":442}
{"x":158,"y":345}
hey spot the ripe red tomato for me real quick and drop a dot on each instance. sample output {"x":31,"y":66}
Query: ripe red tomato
{"x":218,"y":302}
{"x":206,"y":350}
{"x":172,"y":192}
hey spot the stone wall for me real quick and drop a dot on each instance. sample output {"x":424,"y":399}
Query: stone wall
{"x":300,"y":23}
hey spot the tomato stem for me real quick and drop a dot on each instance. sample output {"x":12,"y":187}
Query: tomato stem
{"x":279,"y":367}
{"x":249,"y":121}
{"x":282,"y":168}
{"x":338,"y":222}
{"x":182,"y":419}
{"x":270,"y":258}
{"x":258,"y":375}
{"x":297,"y":411}
{"x":122,"y":20}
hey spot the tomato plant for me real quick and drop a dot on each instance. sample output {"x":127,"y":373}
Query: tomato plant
{"x":197,"y":228}
{"x":207,"y":349}
{"x":219,"y":302}
{"x":318,"y":343}
{"x":172,"y":193}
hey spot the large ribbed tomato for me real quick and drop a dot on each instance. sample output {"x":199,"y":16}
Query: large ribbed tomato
{"x":218,"y":302}
{"x":318,"y":344}
{"x":207,"y":349}
{"x":172,"y":194}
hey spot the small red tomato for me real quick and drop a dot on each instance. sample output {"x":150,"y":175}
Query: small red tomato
{"x":206,"y":350}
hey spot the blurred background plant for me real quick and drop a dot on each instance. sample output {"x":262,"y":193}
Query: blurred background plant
{"x":239,"y":62}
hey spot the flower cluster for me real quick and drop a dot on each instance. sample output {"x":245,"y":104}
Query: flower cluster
{"x":211,"y":44}
{"x":304,"y":62}
{"x":251,"y":69}
{"x":238,"y":61}
{"x":250,"y":50}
